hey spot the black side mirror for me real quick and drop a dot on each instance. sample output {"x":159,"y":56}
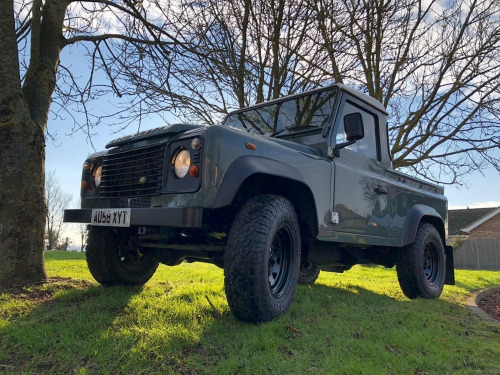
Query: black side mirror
{"x":353,"y":127}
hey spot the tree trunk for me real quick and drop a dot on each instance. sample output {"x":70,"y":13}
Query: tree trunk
{"x":22,"y":202}
{"x":22,"y":170}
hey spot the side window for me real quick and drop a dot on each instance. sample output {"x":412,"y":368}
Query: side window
{"x":366,"y":146}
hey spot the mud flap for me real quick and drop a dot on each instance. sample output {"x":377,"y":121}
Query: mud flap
{"x":449,"y":278}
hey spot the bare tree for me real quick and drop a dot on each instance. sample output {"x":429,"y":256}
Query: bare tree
{"x":238,"y":53}
{"x":56,"y":201}
{"x":82,"y":231}
{"x":435,"y":67}
{"x":63,"y":245}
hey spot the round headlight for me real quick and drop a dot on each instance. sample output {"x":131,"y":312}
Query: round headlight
{"x":182,"y":162}
{"x":97,"y":176}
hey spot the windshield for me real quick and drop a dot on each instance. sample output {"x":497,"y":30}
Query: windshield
{"x":293,"y":114}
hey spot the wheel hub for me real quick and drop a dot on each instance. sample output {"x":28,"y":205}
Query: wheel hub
{"x":274,"y":267}
{"x":430,"y":262}
{"x":280,"y":254}
{"x":130,"y":256}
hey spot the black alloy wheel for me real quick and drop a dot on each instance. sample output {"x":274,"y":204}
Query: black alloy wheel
{"x":431,"y":262}
{"x":280,"y":257}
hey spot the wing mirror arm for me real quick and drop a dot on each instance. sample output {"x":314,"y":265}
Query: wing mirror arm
{"x":340,"y":146}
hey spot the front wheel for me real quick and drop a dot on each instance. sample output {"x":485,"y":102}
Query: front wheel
{"x":262,"y":259}
{"x":421,"y":267}
{"x":114,"y":259}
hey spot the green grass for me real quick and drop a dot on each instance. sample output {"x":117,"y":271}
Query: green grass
{"x":358,"y":322}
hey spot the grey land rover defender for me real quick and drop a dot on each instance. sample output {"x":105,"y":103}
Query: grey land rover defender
{"x":273,"y":195}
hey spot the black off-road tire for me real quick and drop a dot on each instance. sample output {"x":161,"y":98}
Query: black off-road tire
{"x":112,"y":261}
{"x":421,"y":266}
{"x":262,"y":259}
{"x":308,"y":273}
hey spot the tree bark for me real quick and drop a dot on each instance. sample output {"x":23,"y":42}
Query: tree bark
{"x":22,"y":154}
{"x":22,"y":203}
{"x":23,"y":121}
{"x":40,"y":80}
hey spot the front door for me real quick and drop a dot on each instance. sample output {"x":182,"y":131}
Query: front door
{"x":361,"y":196}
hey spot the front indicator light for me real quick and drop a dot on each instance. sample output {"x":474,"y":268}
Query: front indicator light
{"x":194,"y":171}
{"x":250,"y":146}
{"x":182,"y":162}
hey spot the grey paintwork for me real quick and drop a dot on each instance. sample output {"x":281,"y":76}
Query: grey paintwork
{"x":223,"y":146}
{"x":376,"y":204}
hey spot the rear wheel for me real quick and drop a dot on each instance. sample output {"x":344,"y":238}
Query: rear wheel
{"x":308,"y":273}
{"x":262,"y":259}
{"x":421,"y":267}
{"x":114,"y":259}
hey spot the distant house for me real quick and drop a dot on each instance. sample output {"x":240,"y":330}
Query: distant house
{"x":474,"y":222}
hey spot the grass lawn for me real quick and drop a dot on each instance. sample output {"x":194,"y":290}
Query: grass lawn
{"x":358,"y":322}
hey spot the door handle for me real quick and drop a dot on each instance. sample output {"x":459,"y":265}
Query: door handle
{"x":380,"y":190}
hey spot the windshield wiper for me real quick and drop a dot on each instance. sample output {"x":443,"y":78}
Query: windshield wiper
{"x":292,"y":128}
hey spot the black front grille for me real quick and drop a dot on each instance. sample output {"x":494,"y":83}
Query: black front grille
{"x":133,"y":173}
{"x":142,"y":202}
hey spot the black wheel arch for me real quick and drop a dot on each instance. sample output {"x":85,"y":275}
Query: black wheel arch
{"x":423,"y":214}
{"x":251,"y":175}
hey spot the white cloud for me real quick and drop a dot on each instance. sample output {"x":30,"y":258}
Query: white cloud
{"x":477,"y":205}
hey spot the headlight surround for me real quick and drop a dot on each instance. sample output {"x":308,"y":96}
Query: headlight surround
{"x":184,"y":174}
{"x":97,"y":175}
{"x":182,"y":162}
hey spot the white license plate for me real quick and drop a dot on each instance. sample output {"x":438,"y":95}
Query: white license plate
{"x":111,"y":217}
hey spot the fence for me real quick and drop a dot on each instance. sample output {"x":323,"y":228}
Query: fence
{"x":478,"y":254}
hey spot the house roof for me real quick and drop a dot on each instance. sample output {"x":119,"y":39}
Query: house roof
{"x":462,"y":221}
{"x":481,"y":220}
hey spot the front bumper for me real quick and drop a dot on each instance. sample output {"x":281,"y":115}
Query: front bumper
{"x":190,"y":217}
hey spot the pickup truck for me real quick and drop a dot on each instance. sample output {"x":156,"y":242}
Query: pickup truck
{"x":273,"y":195}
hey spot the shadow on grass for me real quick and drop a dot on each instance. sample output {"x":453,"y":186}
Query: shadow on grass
{"x":67,"y":328}
{"x":161,"y":330}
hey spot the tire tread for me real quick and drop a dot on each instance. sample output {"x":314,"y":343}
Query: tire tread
{"x":409,"y":266}
{"x":246,"y":252}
